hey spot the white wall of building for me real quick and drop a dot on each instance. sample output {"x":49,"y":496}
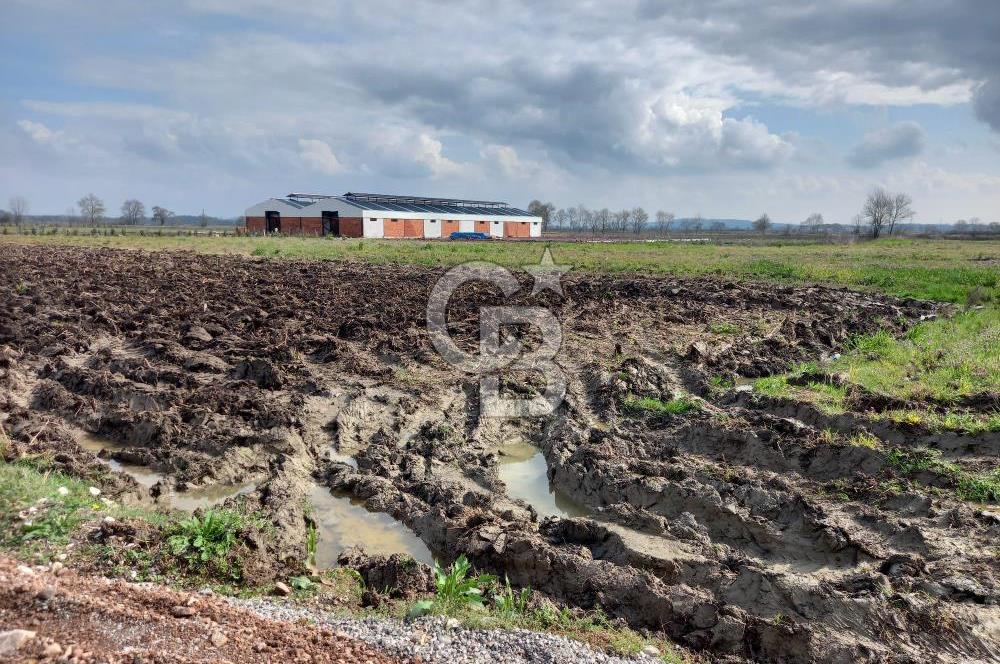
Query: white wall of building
{"x":432,"y":228}
{"x":467,"y":225}
{"x":536,"y":229}
{"x":496,"y":228}
{"x":372,"y":227}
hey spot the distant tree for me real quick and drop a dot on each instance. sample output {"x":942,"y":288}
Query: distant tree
{"x":133,"y":212}
{"x":69,"y":216}
{"x":994,"y":227}
{"x":639,"y":218}
{"x":697,"y":223}
{"x":5,"y":217}
{"x":18,"y":208}
{"x":812,"y":223}
{"x":619,"y":221}
{"x":857,"y":223}
{"x":203,"y":220}
{"x":718,"y":226}
{"x":762,"y":223}
{"x":961,"y":226}
{"x":587,"y":219}
{"x":559,"y":217}
{"x":664,"y":220}
{"x":602,"y":221}
{"x":91,"y":208}
{"x":161,"y":215}
{"x":882,"y":211}
{"x":543,"y":210}
{"x":901,"y":210}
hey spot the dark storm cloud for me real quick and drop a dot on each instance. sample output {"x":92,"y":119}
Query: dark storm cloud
{"x":905,"y":139}
{"x":987,"y":103}
{"x":923,"y":43}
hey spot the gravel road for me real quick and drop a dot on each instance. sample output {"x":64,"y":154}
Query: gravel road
{"x":436,"y":639}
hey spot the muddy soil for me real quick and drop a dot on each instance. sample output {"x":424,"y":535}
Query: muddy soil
{"x":739,"y":529}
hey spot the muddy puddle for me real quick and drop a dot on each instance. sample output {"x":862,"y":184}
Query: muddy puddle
{"x":188,"y":501}
{"x":523,"y":470}
{"x":343,"y":523}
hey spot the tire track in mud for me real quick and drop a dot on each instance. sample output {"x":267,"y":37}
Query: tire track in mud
{"x":716,"y":527}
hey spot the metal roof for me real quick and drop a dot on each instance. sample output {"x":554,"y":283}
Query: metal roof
{"x":295,"y":203}
{"x":443,"y":206}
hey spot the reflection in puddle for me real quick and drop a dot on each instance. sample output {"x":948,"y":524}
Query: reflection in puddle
{"x":201,"y":497}
{"x":95,"y":444}
{"x":523,"y":470}
{"x":340,"y":457}
{"x":343,"y":523}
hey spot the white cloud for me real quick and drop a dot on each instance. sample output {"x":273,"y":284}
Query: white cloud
{"x":320,"y":156}
{"x":39,"y":132}
{"x":901,"y":140}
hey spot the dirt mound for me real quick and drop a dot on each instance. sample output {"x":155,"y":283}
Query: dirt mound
{"x":739,"y":526}
{"x":66,"y":617}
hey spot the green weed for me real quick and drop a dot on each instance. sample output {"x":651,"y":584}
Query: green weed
{"x":456,"y":590}
{"x":206,"y":540}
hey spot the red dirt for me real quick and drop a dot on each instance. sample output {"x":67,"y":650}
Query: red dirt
{"x":90,"y":619}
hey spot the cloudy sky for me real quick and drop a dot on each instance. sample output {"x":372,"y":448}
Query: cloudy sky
{"x":720,"y":107}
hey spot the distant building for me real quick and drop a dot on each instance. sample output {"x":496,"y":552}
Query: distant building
{"x":383,"y":216}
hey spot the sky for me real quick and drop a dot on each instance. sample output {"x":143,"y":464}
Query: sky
{"x":722,"y":108}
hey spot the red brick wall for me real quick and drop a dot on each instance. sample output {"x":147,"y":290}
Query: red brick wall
{"x":483,"y":227}
{"x":393,"y":228}
{"x":351,"y":227}
{"x":413,"y":228}
{"x":448,"y":227}
{"x":255,"y":225}
{"x":312,"y":225}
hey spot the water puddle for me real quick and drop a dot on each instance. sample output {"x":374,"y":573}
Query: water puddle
{"x":343,"y":522}
{"x":94,"y":444}
{"x":523,"y":470}
{"x":189,"y":501}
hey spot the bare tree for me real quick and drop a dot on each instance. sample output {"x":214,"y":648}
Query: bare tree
{"x":4,"y":217}
{"x":717,"y":226}
{"x":559,"y":217}
{"x":664,"y":220}
{"x":762,"y":223}
{"x":697,"y":222}
{"x":161,"y":215}
{"x":878,"y":210}
{"x":857,"y":222}
{"x":18,"y":208}
{"x":588,"y":219}
{"x":543,"y":210}
{"x":91,"y":208}
{"x":812,"y":223}
{"x":617,"y":221}
{"x":602,"y":221}
{"x":203,"y":219}
{"x":133,"y":211}
{"x":901,"y":210}
{"x":639,"y":217}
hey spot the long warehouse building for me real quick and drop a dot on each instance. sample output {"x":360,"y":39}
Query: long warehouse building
{"x":385,"y":216}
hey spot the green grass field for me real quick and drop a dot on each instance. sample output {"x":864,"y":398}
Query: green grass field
{"x":944,"y":270}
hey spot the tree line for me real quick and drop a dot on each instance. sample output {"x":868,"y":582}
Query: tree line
{"x":883,"y":214}
{"x":91,"y":210}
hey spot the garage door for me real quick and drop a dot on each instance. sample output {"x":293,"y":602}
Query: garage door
{"x":517,"y":229}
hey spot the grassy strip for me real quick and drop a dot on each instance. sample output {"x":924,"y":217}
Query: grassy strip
{"x":944,"y":270}
{"x":939,"y":362}
{"x":975,"y":487}
{"x":645,"y":405}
